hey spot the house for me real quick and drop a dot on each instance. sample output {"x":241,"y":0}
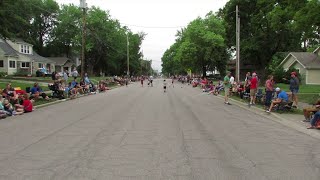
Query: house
{"x":63,"y":64}
{"x":307,"y":63}
{"x":18,"y":56}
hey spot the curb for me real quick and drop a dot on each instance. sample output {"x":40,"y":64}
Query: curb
{"x":276,"y":118}
{"x":64,"y":100}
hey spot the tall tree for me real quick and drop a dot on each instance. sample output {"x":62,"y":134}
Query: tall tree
{"x":15,"y":18}
{"x":43,"y":21}
{"x":307,"y":21}
{"x":200,"y":47}
{"x":66,"y":36}
{"x":267,"y":27}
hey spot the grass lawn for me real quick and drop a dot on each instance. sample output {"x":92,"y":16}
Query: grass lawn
{"x":261,"y":106}
{"x":33,"y":79}
{"x":49,"y":80}
{"x":43,"y":101}
{"x":307,"y":93}
{"x":22,"y":85}
{"x":303,"y":88}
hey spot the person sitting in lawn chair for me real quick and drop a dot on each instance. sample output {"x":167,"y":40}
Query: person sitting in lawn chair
{"x":84,"y":87}
{"x":36,"y":91}
{"x":315,"y":121}
{"x":219,"y":87}
{"x":3,"y":113}
{"x":57,"y":89}
{"x":281,"y":99}
{"x":9,"y":93}
{"x":27,"y":103}
{"x":307,"y":111}
{"x":102,"y":86}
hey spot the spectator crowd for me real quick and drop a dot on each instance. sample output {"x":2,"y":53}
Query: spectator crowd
{"x":271,"y":97}
{"x":15,"y":101}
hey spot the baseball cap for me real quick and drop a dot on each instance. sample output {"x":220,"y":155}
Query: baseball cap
{"x":278,"y":89}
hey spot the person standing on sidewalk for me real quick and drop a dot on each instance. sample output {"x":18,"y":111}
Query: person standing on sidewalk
{"x":141,"y":80}
{"x":227,"y":85}
{"x":247,"y":80}
{"x":253,"y":89}
{"x":65,"y":76}
{"x":269,"y":90}
{"x":294,"y":88}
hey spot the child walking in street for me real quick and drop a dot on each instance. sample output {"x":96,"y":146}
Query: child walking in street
{"x":164,"y":86}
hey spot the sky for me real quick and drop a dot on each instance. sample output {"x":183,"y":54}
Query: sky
{"x":159,"y":19}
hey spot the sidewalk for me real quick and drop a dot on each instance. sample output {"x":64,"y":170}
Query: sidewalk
{"x":290,"y":120}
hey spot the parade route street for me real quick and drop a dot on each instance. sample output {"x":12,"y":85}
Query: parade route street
{"x":143,"y":133}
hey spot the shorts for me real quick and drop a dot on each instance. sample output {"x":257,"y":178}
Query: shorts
{"x":227,"y":91}
{"x":253,"y":92}
{"x":295,"y":91}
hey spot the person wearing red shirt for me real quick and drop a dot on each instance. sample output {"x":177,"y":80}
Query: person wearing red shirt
{"x":27,"y":104}
{"x":253,"y":89}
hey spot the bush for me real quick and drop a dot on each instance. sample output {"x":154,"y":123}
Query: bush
{"x":21,"y":73}
{"x":282,"y":76}
{"x":3,"y":74}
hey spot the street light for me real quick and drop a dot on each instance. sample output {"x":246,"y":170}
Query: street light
{"x":128,"y":61}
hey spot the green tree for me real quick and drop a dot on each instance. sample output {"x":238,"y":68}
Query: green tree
{"x":42,"y":23}
{"x":267,"y":27}
{"x":307,"y":21}
{"x":66,"y":36}
{"x":200,"y":47}
{"x":15,"y":18}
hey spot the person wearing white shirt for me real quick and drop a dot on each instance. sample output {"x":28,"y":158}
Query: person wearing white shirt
{"x":231,"y":80}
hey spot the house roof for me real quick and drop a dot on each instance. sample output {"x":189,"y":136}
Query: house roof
{"x":36,"y":57}
{"x":69,"y":64}
{"x":308,"y":60}
{"x":60,"y":61}
{"x":20,"y":41}
{"x":8,"y":50}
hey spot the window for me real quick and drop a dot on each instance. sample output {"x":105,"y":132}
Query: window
{"x":25,"y":49}
{"x":12,"y":64}
{"x":40,"y":65}
{"x":1,"y":63}
{"x":25,"y":64}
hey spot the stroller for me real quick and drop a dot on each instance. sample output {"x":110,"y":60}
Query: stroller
{"x":56,"y":93}
{"x":92,"y":88}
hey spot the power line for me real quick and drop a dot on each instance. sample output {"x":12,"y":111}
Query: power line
{"x":153,"y":27}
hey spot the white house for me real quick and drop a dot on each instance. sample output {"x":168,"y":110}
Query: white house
{"x":307,"y":63}
{"x":63,"y":64}
{"x":19,"y":56}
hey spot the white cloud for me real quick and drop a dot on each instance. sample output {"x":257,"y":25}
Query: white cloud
{"x":151,"y":16}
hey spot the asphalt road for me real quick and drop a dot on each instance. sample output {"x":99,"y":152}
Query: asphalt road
{"x":143,"y":133}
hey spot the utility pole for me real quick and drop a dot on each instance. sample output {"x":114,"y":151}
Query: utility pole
{"x":128,"y":62}
{"x":237,"y":44}
{"x":83,"y":5}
